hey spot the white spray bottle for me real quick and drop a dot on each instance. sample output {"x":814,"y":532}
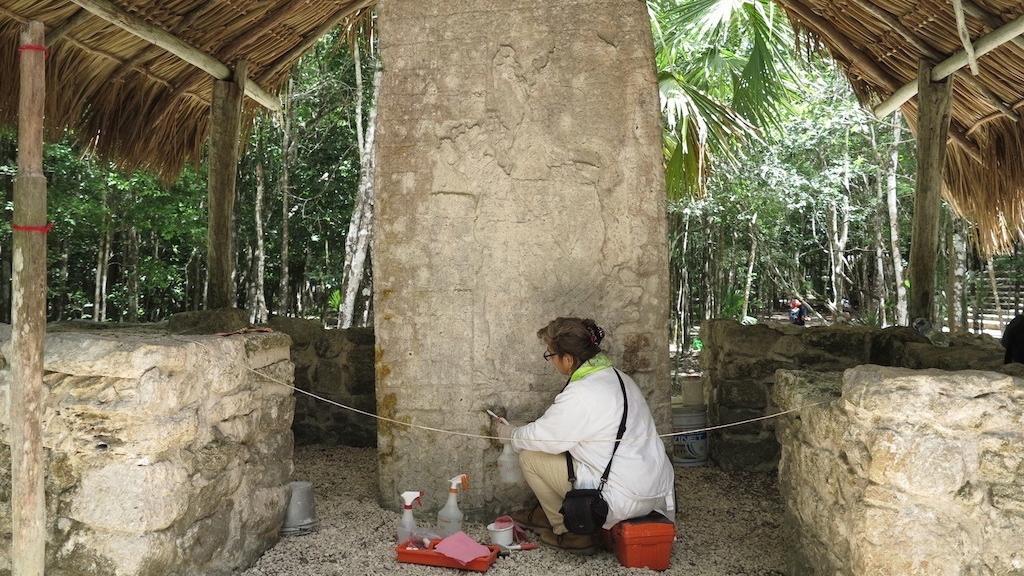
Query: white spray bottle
{"x":407,"y":526}
{"x":449,"y":518}
{"x":508,"y":466}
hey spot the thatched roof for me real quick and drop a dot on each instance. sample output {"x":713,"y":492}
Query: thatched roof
{"x":985,"y":167}
{"x":138,"y":104}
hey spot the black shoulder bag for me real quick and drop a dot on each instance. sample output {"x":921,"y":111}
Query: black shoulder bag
{"x":584,"y":509}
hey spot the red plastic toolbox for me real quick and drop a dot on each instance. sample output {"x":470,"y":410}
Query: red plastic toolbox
{"x":432,"y":557}
{"x":644,"y":542}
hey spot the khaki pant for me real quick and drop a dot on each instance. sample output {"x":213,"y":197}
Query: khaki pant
{"x":548,"y":477}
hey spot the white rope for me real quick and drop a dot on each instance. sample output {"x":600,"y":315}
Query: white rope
{"x":501,"y":438}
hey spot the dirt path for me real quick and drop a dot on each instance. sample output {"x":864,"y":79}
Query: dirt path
{"x":729,"y":525}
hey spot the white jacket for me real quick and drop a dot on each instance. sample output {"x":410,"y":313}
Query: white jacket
{"x":641,"y":478}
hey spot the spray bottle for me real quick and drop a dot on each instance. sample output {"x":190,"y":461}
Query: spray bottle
{"x":449,"y":518}
{"x":407,"y":526}
{"x":508,"y":466}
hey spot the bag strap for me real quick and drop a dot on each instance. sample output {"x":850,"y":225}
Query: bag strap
{"x":618,"y":439}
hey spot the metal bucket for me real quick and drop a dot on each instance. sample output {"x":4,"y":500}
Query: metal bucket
{"x":300,"y":518}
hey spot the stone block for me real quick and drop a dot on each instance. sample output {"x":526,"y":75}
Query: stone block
{"x":208,"y":321}
{"x":917,"y":472}
{"x":796,"y":388}
{"x":302,"y":332}
{"x":954,"y":357}
{"x":887,"y":346}
{"x":743,"y":393}
{"x":840,"y":340}
{"x":332,"y":343}
{"x":148,"y":498}
{"x":148,"y":443}
{"x":755,"y":369}
{"x":920,"y":463}
{"x":730,"y":415}
{"x":757,"y":452}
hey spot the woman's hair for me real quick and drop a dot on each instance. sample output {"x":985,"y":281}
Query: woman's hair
{"x":578,"y":337}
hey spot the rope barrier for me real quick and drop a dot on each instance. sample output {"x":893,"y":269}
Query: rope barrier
{"x":501,"y":438}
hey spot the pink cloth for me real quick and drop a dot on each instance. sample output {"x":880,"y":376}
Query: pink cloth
{"x":462,"y":548}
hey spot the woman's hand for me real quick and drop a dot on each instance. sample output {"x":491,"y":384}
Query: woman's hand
{"x":501,"y":429}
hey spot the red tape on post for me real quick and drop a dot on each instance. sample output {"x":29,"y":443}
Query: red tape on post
{"x":34,"y":48}
{"x":37,"y":229}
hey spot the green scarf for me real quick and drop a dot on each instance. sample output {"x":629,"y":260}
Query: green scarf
{"x":597,"y":363}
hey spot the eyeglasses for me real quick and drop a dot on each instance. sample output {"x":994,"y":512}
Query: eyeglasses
{"x":548,"y":355}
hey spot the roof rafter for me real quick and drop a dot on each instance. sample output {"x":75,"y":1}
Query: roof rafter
{"x":311,"y":39}
{"x":949,"y":66}
{"x":869,"y":66}
{"x":176,"y":46}
{"x":897,"y":26}
{"x":77,"y":18}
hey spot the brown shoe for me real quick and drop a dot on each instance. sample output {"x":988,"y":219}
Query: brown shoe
{"x":581,"y":544}
{"x":533,"y":519}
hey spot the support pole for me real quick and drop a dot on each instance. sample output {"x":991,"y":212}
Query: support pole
{"x":28,"y":501}
{"x":933,"y":118}
{"x":225,"y":128}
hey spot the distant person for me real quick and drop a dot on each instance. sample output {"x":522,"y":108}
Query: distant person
{"x":1013,"y":340}
{"x":797,"y":312}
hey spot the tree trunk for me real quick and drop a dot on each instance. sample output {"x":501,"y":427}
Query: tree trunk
{"x":360,"y":228}
{"x":894,"y":222}
{"x":964,"y":273}
{"x":62,"y":294}
{"x":259,"y":307}
{"x":932,"y":133}
{"x":750,"y":266}
{"x":132,"y":264}
{"x":286,"y":155}
{"x":995,"y":291}
{"x":953,"y":275}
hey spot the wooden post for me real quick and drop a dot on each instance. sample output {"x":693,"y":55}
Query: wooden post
{"x":28,"y":509}
{"x":225,"y":126}
{"x":933,"y":115}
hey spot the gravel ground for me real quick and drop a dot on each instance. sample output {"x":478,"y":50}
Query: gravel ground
{"x":729,"y":524}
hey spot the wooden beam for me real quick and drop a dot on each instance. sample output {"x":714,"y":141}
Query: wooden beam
{"x":225,"y":126}
{"x":284,"y":60}
{"x":965,"y":36}
{"x":212,"y":66}
{"x":932,"y":54}
{"x":227,"y":52}
{"x":950,"y":65}
{"x":28,"y":499}
{"x":990,"y":20}
{"x":77,"y":18}
{"x":933,"y":120}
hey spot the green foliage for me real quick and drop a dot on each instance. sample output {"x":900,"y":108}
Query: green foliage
{"x":87,"y":197}
{"x":724,"y":73}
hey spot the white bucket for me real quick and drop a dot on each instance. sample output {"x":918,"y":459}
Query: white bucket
{"x":689,"y":449}
{"x":500,"y":536}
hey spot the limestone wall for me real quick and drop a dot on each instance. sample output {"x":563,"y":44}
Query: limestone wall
{"x":740,"y":362}
{"x":165,"y":455}
{"x":903,"y":472}
{"x":335,"y":364}
{"x":519,"y":178}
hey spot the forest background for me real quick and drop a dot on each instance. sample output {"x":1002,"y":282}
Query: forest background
{"x":780,"y":185}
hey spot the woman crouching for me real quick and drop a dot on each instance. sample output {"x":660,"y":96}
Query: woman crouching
{"x":583,"y":421}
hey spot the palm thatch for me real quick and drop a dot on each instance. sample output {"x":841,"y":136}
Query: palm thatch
{"x":880,"y":44}
{"x":134,"y":102}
